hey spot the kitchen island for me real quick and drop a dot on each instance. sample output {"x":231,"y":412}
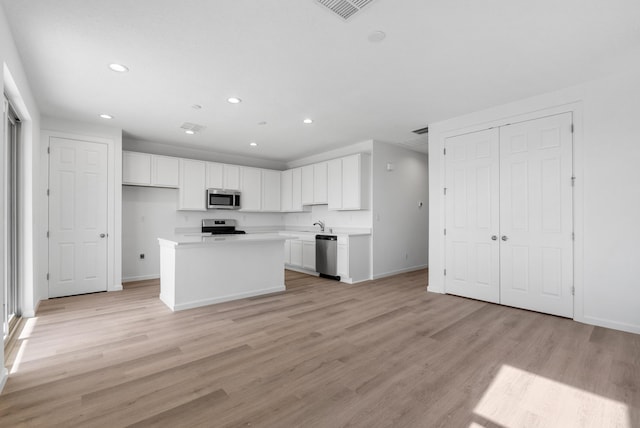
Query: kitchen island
{"x":198,"y":270}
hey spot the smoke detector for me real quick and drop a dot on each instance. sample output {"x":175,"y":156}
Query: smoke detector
{"x":345,"y":9}
{"x":193,"y":127}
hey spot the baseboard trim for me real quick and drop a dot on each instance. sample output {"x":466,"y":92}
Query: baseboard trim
{"x":31,"y":314}
{"x":212,"y":301}
{"x":600,"y":322}
{"x":3,"y":378}
{"x":301,"y":270}
{"x":399,"y":271}
{"x":140,"y":278}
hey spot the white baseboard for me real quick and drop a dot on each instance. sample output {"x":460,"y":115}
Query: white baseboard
{"x":399,"y":271}
{"x":31,"y":314}
{"x":3,"y":377}
{"x":206,"y":302}
{"x":140,"y":278}
{"x":630,"y":328}
{"x":301,"y":270}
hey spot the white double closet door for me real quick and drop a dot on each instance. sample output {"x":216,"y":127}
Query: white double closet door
{"x":509,"y":215}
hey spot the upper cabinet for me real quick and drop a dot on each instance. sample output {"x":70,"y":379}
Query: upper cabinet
{"x":260,"y":189}
{"x":144,"y":169}
{"x":270,"y":190}
{"x":192,"y":190}
{"x":291,"y":190}
{"x":223,"y":176}
{"x":314,"y":184}
{"x":348,"y":182}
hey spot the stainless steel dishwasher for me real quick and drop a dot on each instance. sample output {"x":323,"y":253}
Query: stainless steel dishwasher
{"x":327,"y":256}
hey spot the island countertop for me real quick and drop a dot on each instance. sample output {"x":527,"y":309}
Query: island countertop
{"x":199,"y":239}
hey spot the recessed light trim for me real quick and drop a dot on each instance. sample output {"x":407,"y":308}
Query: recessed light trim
{"x":196,"y":106}
{"x":234,"y":100}
{"x":308,"y":121}
{"x":118,"y":68}
{"x":377,"y":36}
{"x":253,"y":144}
{"x":190,"y":132}
{"x":106,"y":116}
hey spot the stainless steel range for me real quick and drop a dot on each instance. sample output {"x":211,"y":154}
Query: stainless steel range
{"x":220,"y":227}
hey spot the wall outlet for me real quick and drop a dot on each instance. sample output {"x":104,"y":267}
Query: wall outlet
{"x":142,"y":256}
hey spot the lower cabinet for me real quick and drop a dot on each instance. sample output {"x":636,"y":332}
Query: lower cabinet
{"x":309,"y":255}
{"x":296,"y":252}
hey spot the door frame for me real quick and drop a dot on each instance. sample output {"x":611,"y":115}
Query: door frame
{"x":490,"y":118}
{"x":114,"y":206}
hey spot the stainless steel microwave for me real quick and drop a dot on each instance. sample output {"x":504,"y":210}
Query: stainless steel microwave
{"x":223,"y":199}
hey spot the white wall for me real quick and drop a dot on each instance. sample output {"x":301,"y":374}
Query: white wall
{"x":52,"y":127}
{"x":15,"y":84}
{"x":148,"y":213}
{"x":400,"y":224}
{"x":607,"y":194}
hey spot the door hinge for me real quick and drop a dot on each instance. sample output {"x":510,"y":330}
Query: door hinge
{"x":47,"y":233}
{"x":573,"y":290}
{"x":47,"y":192}
{"x":47,"y":276}
{"x":48,"y":150}
{"x":444,"y":151}
{"x":445,"y":272}
{"x":573,"y":181}
{"x":573,"y":236}
{"x":572,"y":128}
{"x":445,"y":191}
{"x":445,"y":232}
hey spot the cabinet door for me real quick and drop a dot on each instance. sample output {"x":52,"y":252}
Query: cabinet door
{"x":296,"y":189}
{"x":287,"y":252}
{"x":309,"y":255}
{"x":286,"y":190}
{"x":231,"y":177}
{"x":343,"y":261}
{"x":351,"y":182}
{"x":136,"y":168}
{"x":320,"y":183}
{"x":165,"y":171}
{"x":307,"y":185}
{"x":215,"y":177}
{"x":192,"y":190}
{"x":334,"y":184}
{"x":270,"y":190}
{"x":251,"y":197}
{"x":296,"y":253}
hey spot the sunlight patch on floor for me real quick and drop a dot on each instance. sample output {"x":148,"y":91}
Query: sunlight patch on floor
{"x":23,"y":338}
{"x":517,"y":398}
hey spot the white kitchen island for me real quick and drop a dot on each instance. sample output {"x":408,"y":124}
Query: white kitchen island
{"x":198,"y":270}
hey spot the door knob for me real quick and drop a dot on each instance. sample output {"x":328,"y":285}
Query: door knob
{"x":102,"y":235}
{"x":494,"y":238}
{"x":504,"y":237}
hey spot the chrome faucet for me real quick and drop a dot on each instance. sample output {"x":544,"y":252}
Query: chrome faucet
{"x":321,"y":224}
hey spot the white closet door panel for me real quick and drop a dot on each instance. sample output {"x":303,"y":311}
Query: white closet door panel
{"x":472,"y":209}
{"x":536,"y":215}
{"x":77,"y":217}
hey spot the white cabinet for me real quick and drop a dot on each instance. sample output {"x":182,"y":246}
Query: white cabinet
{"x":296,"y":252}
{"x":165,"y":171}
{"x":343,"y":257}
{"x":307,"y":185}
{"x":192,"y":190}
{"x":348,"y":182}
{"x":291,"y":190}
{"x":251,"y":197}
{"x":144,"y":169}
{"x":287,"y":252}
{"x":270,"y":190}
{"x":136,"y":168}
{"x":320,"y":183}
{"x":309,"y":255}
{"x":223,"y":176}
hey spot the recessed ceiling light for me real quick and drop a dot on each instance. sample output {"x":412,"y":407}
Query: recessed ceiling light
{"x":118,"y":68}
{"x":106,"y":116}
{"x":262,"y":123}
{"x":196,"y":106}
{"x":234,"y":100}
{"x":308,"y":121}
{"x":253,"y":144}
{"x":377,"y":36}
{"x":189,"y":131}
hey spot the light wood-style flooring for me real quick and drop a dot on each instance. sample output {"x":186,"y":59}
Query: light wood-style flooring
{"x":383,"y":353}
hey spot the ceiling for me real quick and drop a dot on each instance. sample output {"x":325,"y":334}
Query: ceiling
{"x":293,"y":59}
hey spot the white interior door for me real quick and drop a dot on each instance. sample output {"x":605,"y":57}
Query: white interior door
{"x":472,"y":215}
{"x":536,"y":226}
{"x":77,"y":217}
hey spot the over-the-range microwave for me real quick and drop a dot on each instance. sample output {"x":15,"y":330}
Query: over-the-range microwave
{"x":223,"y":199}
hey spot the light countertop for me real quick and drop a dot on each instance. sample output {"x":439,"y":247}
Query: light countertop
{"x":198,"y":239}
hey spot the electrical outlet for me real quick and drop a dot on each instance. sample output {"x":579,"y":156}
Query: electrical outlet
{"x":142,"y":256}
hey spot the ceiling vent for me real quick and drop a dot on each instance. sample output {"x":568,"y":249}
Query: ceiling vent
{"x":421,"y":131}
{"x":188,"y":126}
{"x":345,"y":9}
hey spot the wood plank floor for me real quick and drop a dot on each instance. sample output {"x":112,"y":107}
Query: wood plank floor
{"x":383,"y":353}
